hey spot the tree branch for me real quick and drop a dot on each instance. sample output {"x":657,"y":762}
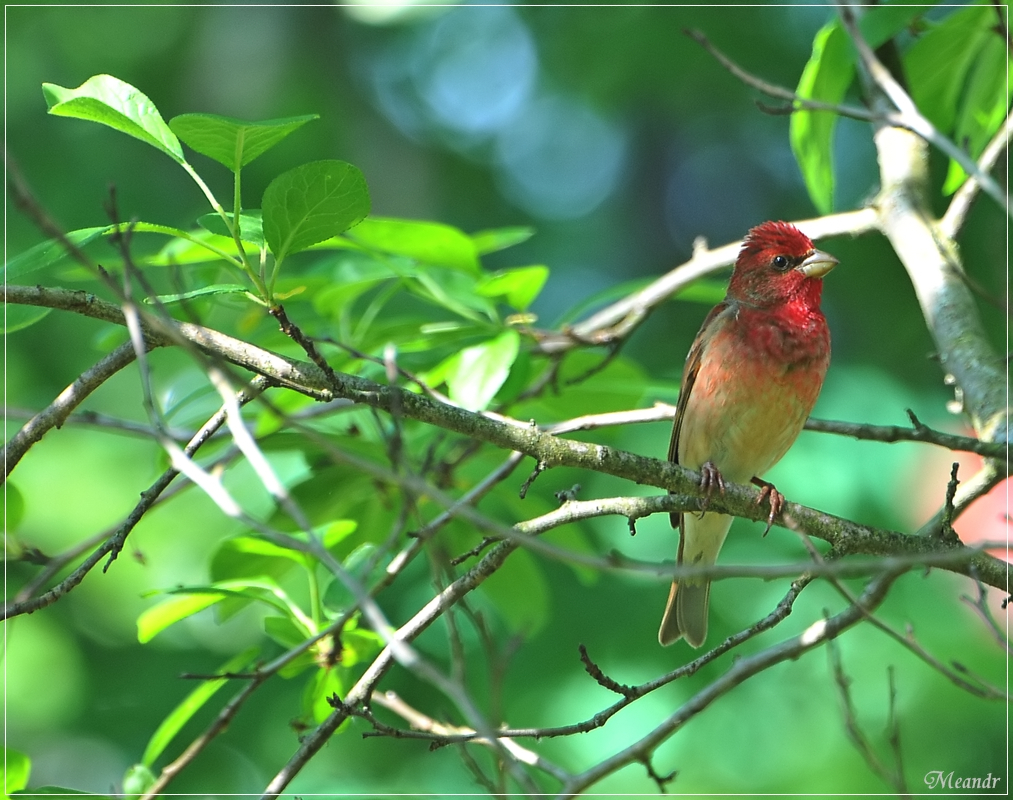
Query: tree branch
{"x":56,"y":413}
{"x":817,"y":634}
{"x":622,"y":317}
{"x":847,"y":537}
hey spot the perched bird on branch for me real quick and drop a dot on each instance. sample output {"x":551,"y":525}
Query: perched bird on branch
{"x":751,"y":379}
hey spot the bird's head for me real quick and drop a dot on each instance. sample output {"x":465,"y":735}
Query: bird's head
{"x":778,"y":264}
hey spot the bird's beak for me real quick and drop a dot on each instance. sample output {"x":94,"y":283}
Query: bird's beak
{"x":817,"y":264}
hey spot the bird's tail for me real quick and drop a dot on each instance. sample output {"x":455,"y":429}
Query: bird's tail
{"x":689,"y":598}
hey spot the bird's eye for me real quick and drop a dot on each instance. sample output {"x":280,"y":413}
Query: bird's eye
{"x":781,"y":263}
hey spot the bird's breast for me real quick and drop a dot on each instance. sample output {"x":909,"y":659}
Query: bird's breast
{"x":757,"y":384}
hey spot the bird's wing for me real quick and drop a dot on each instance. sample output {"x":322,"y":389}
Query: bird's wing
{"x":689,"y":373}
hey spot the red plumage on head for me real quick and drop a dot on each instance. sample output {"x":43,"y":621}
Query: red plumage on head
{"x":771,"y":238}
{"x":764,"y":274}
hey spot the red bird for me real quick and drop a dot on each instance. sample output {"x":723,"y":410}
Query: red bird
{"x":751,"y":379}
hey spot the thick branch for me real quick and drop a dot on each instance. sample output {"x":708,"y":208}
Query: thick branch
{"x":933,"y":264}
{"x":847,"y":537}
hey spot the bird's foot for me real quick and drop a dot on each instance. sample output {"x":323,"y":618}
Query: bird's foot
{"x":769,"y":492}
{"x":710,"y":477}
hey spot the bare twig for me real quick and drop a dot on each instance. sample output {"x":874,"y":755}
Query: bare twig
{"x":854,"y":730}
{"x":796,"y":103}
{"x":978,"y":485}
{"x":198,"y":745}
{"x":741,"y":671}
{"x":918,"y":433}
{"x":114,"y":543}
{"x":54,"y":415}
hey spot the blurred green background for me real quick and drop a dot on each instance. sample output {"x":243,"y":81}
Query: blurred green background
{"x":620,"y":141}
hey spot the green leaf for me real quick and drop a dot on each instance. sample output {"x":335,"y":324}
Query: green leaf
{"x":938,"y":62}
{"x":193,"y":702}
{"x":198,"y":247}
{"x":312,"y":203}
{"x":18,"y":317}
{"x":983,"y":108}
{"x":477,"y":372}
{"x":233,"y":142}
{"x":826,"y":77}
{"x":324,"y":684}
{"x":14,"y":507}
{"x":159,"y":617}
{"x":337,"y":531}
{"x":17,"y":768}
{"x":359,"y":645}
{"x":428,"y":242}
{"x":455,"y":295}
{"x":251,"y":226}
{"x":519,"y":285}
{"x":351,"y":277}
{"x":218,"y":288}
{"x":284,"y":631}
{"x":48,"y":253}
{"x":110,"y":101}
{"x":492,"y":241}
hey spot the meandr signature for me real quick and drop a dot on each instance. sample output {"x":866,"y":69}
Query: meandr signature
{"x":937,"y":779}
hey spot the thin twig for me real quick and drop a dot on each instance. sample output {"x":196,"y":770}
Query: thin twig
{"x":198,"y":745}
{"x":854,"y":730}
{"x":956,"y":213}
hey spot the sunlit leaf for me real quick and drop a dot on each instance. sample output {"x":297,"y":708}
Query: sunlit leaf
{"x":48,"y":253}
{"x":218,"y":288}
{"x":497,"y":239}
{"x":337,"y":531}
{"x":456,"y":296}
{"x":14,"y":507}
{"x":194,"y":701}
{"x":233,"y":142}
{"x":17,"y":768}
{"x":520,"y":285}
{"x":359,"y":645}
{"x":156,"y":619}
{"x":198,"y":248}
{"x":428,"y":242}
{"x":826,"y":77}
{"x":251,"y":226}
{"x":324,"y":684}
{"x":110,"y":101}
{"x":312,"y":203}
{"x":478,"y":372}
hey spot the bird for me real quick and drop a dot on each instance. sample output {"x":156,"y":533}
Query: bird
{"x":750,"y":381}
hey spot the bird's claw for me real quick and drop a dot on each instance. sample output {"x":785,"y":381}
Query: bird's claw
{"x":776,"y":499}
{"x":710,"y":476}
